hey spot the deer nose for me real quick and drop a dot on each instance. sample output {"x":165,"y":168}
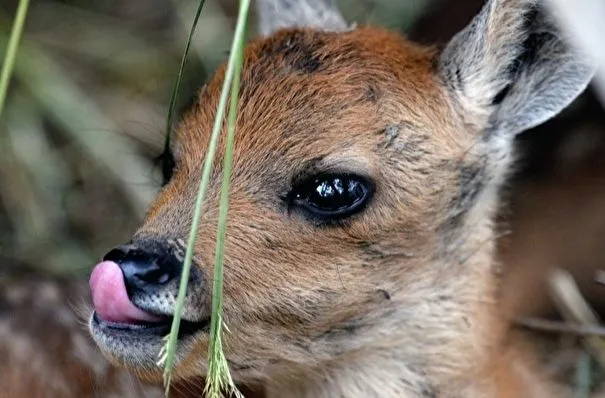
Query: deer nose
{"x":147,"y":266}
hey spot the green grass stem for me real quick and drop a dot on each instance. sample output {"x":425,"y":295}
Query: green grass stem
{"x":218,"y":377}
{"x":11,"y":50}
{"x":177,"y":83}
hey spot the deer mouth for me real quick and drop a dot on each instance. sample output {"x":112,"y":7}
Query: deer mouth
{"x":115,"y":314}
{"x":160,"y":328}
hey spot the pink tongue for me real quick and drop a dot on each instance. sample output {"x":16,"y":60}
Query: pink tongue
{"x":110,"y":299}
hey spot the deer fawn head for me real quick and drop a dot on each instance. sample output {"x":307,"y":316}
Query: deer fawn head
{"x":360,"y":238}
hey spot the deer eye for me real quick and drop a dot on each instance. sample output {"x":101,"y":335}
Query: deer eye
{"x":331,"y":196}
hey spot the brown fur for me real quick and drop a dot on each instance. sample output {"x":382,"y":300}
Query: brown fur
{"x":399,"y":300}
{"x":293,"y":308}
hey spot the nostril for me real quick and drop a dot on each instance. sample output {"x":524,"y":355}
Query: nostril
{"x":116,"y":254}
{"x":150,"y":273}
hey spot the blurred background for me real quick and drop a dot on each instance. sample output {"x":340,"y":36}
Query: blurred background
{"x":86,"y":116}
{"x":85,"y":122}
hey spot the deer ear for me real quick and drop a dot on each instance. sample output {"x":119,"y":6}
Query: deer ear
{"x":320,"y":14}
{"x":511,"y":70}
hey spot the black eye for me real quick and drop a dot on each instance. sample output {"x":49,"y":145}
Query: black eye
{"x":332,"y":196}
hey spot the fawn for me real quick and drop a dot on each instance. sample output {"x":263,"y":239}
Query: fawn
{"x":360,"y":245}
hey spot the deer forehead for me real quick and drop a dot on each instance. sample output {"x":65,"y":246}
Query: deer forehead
{"x":306,"y":94}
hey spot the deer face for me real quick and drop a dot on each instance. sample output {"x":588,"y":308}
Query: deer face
{"x":365,"y":173}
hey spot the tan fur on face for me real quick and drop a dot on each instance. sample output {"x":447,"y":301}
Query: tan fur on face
{"x":388,"y":285}
{"x":398,"y":300}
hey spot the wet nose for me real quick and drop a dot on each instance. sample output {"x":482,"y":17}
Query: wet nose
{"x":147,"y":267}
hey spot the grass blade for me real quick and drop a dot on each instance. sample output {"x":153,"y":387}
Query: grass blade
{"x":177,"y":83}
{"x":219,"y":378}
{"x":11,"y":50}
{"x":168,"y":352}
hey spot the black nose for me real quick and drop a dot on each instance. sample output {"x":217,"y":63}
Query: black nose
{"x":147,"y":266}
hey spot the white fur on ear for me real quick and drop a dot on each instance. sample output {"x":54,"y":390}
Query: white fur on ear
{"x":511,"y":69}
{"x":278,"y":14}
